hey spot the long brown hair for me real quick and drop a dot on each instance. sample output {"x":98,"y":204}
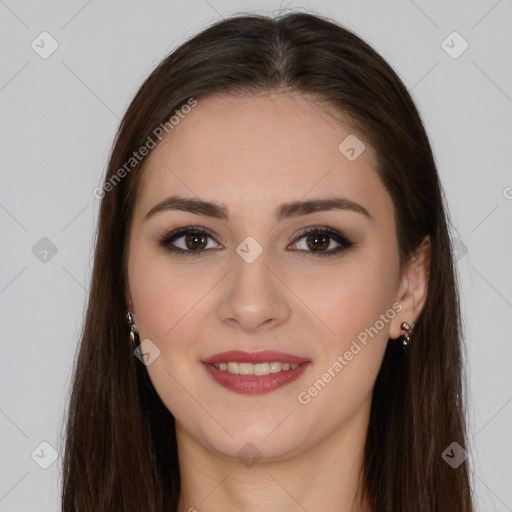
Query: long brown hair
{"x":120,"y":446}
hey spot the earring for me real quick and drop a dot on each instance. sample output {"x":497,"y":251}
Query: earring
{"x":406,"y":338}
{"x":133,"y":332}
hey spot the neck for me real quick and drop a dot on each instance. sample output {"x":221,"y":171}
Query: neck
{"x":324,"y":478}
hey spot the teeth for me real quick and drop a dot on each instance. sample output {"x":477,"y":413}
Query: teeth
{"x":254,"y":369}
{"x":275,"y":367}
{"x":245,"y":368}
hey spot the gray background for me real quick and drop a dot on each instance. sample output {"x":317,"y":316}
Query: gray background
{"x":58,"y":118}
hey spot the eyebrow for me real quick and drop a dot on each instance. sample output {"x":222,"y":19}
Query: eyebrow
{"x":285,"y":210}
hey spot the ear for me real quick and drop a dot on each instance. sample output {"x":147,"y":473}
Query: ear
{"x":413,"y":288}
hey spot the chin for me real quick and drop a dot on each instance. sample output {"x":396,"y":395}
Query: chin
{"x":248,"y":449}
{"x":270,"y":436}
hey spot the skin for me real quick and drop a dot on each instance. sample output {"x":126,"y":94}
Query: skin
{"x":252,"y":154}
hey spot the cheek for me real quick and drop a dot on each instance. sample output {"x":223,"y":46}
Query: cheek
{"x":356,"y":305}
{"x":161,"y":292}
{"x":351,"y":299}
{"x":167,"y":298}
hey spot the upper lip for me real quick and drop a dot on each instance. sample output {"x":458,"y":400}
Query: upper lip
{"x":265,"y":356}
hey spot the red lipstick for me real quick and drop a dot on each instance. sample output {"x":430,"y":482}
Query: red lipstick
{"x":279,"y":368}
{"x":266,"y":356}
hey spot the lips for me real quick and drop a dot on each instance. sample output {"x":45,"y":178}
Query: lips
{"x":256,"y":372}
{"x":266,"y":356}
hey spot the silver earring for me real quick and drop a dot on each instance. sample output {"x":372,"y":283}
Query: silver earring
{"x":406,"y":337}
{"x":133,"y":333}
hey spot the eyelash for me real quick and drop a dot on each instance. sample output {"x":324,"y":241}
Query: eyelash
{"x":340,"y":238}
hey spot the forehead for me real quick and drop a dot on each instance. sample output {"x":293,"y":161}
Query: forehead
{"x":258,"y":149}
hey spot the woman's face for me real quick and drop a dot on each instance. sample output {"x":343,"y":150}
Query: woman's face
{"x":265,"y":276}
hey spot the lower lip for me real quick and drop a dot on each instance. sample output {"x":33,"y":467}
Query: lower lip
{"x":254,"y":384}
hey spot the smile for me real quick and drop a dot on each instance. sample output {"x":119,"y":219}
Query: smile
{"x":255,"y":373}
{"x":255,"y":369}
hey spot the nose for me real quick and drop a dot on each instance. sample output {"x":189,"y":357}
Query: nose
{"x":254,"y":295}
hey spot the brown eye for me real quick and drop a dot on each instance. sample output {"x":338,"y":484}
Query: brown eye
{"x":317,"y":242}
{"x":323,"y":241}
{"x":196,"y":241}
{"x":188,"y":241}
